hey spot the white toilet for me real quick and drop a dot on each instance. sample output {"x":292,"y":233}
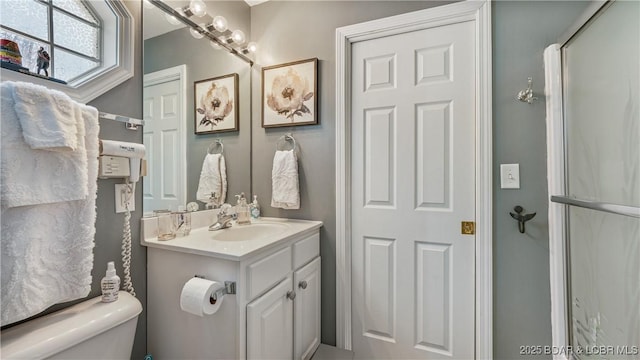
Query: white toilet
{"x":88,"y":330}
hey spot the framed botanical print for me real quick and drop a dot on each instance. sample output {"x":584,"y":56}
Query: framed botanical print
{"x":290,"y":94}
{"x":216,"y":104}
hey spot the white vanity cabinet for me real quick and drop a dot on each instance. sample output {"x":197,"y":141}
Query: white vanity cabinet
{"x":285,"y":321}
{"x":306,"y":310}
{"x":275,"y":313}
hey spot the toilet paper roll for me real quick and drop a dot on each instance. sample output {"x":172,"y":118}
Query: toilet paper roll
{"x":196,"y":296}
{"x":122,"y":148}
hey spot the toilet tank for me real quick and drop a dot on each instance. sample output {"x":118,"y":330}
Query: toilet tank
{"x":88,"y":330}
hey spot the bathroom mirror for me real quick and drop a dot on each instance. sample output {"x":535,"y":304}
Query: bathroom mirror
{"x":175,"y":153}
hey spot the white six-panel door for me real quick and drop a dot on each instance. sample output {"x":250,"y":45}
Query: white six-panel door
{"x":164,"y":186}
{"x":413,"y":184}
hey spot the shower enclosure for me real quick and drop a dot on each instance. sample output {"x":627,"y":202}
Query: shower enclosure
{"x":593,"y":136}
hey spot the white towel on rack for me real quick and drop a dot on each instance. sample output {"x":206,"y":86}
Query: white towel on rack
{"x":32,"y":176}
{"x":49,"y":118}
{"x":213,"y":179}
{"x":47,"y":249}
{"x":284,"y":176}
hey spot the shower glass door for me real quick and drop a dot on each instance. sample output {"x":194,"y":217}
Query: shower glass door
{"x":600,"y":77}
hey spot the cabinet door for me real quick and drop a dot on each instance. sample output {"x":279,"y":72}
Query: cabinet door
{"x":270,"y":324}
{"x":307,"y":310}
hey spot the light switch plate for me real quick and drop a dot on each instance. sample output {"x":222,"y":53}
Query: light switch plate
{"x":510,"y":176}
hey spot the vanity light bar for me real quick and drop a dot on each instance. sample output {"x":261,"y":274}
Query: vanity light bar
{"x":211,"y":36}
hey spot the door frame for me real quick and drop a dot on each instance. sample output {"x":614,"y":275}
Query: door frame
{"x":480,"y":13}
{"x":178,"y":73}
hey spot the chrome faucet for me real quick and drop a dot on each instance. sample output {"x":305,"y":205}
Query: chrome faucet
{"x":224,"y":218}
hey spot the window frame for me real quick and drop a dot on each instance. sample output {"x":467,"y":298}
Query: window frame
{"x":117,"y":40}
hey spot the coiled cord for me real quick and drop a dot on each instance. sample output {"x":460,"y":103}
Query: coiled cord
{"x":126,"y":243}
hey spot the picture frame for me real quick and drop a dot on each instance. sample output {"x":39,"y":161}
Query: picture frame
{"x":216,"y":104}
{"x":290,"y":94}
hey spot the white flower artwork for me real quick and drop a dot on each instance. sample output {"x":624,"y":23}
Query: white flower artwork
{"x":289,"y":94}
{"x":216,"y":104}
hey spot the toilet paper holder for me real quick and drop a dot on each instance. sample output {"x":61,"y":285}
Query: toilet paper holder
{"x":228,"y":289}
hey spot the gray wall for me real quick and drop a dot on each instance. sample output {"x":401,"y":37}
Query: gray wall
{"x":521,"y":31}
{"x":125,"y":99}
{"x":522,"y":305}
{"x":203,"y":62}
{"x":285,"y":34}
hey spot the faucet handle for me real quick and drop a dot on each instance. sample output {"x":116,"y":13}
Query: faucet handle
{"x":213,"y":201}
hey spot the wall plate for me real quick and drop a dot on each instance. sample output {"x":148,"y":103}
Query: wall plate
{"x":510,"y":176}
{"x":122,"y":193}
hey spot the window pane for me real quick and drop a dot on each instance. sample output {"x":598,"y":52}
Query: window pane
{"x":28,"y":16}
{"x":605,"y":280}
{"x":28,"y":49}
{"x":602,"y":107}
{"x":67,"y":65}
{"x":74,"y":34}
{"x":77,"y":8}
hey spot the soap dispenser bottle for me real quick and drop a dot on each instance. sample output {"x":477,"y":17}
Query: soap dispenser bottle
{"x":110,"y":284}
{"x":255,"y":208}
{"x":242,"y":209}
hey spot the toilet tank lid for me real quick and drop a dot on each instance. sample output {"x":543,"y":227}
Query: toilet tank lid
{"x":52,"y":333}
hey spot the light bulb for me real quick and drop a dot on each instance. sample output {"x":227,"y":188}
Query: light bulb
{"x":198,"y":8}
{"x":195,"y":33}
{"x":220,"y":23}
{"x":172,"y":19}
{"x":238,"y":37}
{"x":252,"y":47}
{"x":215,"y":45}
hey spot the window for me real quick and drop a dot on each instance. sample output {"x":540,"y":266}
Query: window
{"x":69,"y":30}
{"x":90,"y":43}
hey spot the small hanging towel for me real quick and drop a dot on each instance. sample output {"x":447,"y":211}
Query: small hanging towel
{"x":213,"y":179}
{"x":285,"y":192}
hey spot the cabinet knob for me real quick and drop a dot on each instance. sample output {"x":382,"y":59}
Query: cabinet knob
{"x":302,"y":284}
{"x":291,"y":295}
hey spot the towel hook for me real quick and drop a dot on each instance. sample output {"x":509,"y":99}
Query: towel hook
{"x":521,"y":218}
{"x":214,"y":145}
{"x":288,"y":137}
{"x":526,"y":95}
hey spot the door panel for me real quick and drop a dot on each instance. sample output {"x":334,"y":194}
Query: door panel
{"x":270,"y":324}
{"x":307,"y":310}
{"x":413,"y":182}
{"x":164,"y":187}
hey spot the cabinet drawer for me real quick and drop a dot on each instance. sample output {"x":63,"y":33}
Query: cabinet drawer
{"x":305,"y":250}
{"x":264,"y":273}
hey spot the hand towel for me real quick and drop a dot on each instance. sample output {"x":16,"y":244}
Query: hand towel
{"x":284,"y":176}
{"x":31,"y":176}
{"x":47,"y":249}
{"x":49,"y":118}
{"x":213,"y":179}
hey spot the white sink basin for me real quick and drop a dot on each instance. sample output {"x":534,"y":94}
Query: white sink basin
{"x":249,"y":232}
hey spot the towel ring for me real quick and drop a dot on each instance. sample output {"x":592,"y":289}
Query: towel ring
{"x":214,"y":146}
{"x":286,"y":138}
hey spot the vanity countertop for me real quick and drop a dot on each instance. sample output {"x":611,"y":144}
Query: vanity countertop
{"x":238,"y":242}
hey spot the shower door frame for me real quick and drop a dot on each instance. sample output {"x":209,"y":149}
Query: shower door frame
{"x":556,"y":175}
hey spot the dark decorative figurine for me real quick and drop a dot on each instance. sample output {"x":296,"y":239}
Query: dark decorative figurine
{"x":43,"y":61}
